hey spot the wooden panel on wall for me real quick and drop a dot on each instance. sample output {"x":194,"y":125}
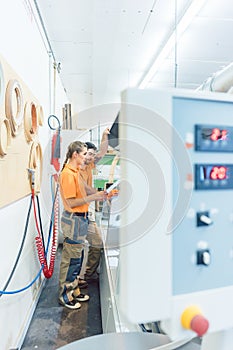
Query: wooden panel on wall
{"x":19,"y":123}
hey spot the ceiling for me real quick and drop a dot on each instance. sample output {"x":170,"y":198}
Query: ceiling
{"x":105,"y":46}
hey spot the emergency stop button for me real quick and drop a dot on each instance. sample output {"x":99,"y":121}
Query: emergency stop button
{"x":199,"y":324}
{"x":193,"y":319}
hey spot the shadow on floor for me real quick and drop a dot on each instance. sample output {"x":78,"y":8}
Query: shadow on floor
{"x":53,"y":325}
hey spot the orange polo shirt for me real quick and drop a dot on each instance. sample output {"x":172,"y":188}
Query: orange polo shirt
{"x":86,"y":173}
{"x":72,"y":186}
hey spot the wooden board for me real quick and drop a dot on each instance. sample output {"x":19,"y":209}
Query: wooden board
{"x":16,"y":145}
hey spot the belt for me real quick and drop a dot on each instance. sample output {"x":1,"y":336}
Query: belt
{"x":81,"y":214}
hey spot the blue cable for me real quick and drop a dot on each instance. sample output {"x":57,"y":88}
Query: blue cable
{"x":19,"y":253}
{"x":24,"y":288}
{"x":58,"y":122}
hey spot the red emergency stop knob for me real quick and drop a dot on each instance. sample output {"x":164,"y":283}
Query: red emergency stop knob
{"x":200,"y":325}
{"x":193,"y":319}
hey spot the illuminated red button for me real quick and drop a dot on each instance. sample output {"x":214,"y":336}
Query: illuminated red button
{"x":199,"y":324}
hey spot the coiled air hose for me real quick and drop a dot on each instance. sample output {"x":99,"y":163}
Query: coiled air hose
{"x":42,"y":252}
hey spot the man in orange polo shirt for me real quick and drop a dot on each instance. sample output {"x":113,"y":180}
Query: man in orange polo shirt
{"x":93,"y":237}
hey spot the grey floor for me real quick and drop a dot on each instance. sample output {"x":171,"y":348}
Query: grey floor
{"x":53,"y":325}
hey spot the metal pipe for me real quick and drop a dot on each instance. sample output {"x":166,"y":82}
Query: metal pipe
{"x":45,"y":38}
{"x":230,"y":91}
{"x":68,"y":115}
{"x":221,"y":81}
{"x":64,"y":118}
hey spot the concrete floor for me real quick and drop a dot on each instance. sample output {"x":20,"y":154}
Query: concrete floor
{"x":53,"y":325}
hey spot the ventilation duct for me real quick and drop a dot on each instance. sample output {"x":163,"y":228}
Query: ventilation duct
{"x":221,"y":81}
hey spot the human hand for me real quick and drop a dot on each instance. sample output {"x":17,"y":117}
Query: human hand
{"x":113,"y":193}
{"x":106,"y":131}
{"x":100,"y":195}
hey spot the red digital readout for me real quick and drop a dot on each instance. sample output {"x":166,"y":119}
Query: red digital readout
{"x":218,"y":134}
{"x":218,"y":173}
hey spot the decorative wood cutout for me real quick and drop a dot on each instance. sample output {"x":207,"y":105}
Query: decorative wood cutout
{"x":30,"y":121}
{"x":40,"y":115}
{"x":14,"y":105}
{"x":2,"y":84}
{"x":5,"y":136}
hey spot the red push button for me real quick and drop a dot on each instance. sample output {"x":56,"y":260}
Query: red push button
{"x":200,"y":325}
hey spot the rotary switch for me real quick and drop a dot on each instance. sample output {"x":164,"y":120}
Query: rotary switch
{"x":203,"y":257}
{"x":203,"y":218}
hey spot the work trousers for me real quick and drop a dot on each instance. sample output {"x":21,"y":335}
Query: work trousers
{"x":74,"y":229}
{"x":95,"y":247}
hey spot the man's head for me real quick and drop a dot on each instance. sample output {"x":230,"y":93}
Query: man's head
{"x":91,"y":152}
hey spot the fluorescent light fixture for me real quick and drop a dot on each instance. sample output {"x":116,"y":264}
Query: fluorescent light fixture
{"x":183,"y":24}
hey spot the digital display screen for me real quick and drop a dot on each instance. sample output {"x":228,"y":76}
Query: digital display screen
{"x":214,"y":134}
{"x":214,"y":138}
{"x":213,"y":172}
{"x":213,"y":176}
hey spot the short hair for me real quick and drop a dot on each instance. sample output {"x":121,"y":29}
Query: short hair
{"x":91,"y":145}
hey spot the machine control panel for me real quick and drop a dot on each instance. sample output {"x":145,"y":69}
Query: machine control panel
{"x":213,"y":176}
{"x":210,"y":216}
{"x":213,"y":138}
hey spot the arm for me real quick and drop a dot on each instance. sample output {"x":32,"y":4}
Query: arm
{"x":103,"y":146}
{"x":75,"y":202}
{"x":68,"y":187}
{"x":89,"y":189}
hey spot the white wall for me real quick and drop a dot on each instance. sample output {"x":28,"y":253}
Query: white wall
{"x":22,"y":47}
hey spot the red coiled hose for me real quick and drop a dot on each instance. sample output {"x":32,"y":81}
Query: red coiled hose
{"x":48,"y":271}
